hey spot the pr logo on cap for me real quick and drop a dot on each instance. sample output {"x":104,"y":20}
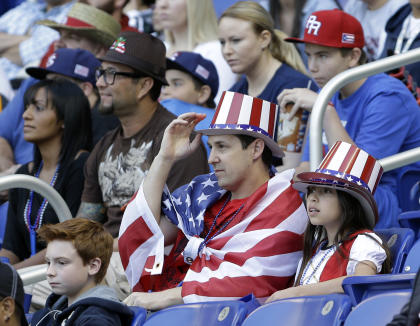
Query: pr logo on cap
{"x":313,"y":25}
{"x":119,"y":45}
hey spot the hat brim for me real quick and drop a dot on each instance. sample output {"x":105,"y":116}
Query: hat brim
{"x":271,"y":144}
{"x":38,"y":73}
{"x":364,"y":197}
{"x":294,"y":40}
{"x":117,"y":59}
{"x":90,"y":32}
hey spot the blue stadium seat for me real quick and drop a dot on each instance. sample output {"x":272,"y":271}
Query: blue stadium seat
{"x":408,"y":176}
{"x":411,"y":220}
{"x":412,"y":262}
{"x":323,"y":310}
{"x":377,"y":310}
{"x":399,"y":241}
{"x":3,"y":219}
{"x":139,"y":315}
{"x":220,"y":313}
{"x":359,"y":288}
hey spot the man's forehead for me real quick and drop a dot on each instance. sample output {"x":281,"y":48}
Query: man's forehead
{"x":315,"y":48}
{"x":222,"y":138}
{"x":115,"y":66}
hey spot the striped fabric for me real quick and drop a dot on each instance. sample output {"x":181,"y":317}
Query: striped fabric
{"x":353,"y":164}
{"x":257,"y":254}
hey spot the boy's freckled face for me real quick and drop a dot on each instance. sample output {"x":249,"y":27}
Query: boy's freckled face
{"x":181,"y":86}
{"x":66,"y":272}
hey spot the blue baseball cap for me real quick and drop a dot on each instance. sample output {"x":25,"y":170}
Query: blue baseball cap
{"x":76,"y":63}
{"x":195,"y":65}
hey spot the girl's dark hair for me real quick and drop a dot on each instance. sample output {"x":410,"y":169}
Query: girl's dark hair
{"x":353,"y":219}
{"x":72,"y":107}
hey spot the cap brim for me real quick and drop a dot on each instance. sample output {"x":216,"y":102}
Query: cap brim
{"x":364,"y":197}
{"x":294,"y":40}
{"x":38,"y":73}
{"x":272,"y":145}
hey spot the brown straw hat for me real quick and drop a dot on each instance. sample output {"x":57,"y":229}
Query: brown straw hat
{"x":90,"y":22}
{"x":141,"y":52}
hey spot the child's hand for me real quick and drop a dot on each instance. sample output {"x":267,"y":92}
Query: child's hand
{"x":284,"y":294}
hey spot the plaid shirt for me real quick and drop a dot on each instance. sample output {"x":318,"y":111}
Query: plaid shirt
{"x":22,"y":20}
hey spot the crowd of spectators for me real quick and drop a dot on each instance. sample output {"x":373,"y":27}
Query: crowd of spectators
{"x":159,"y":123}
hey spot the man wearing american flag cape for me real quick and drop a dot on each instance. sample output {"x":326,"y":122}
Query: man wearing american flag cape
{"x":242,"y":225}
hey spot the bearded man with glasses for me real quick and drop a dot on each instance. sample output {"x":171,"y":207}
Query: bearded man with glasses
{"x":129,"y":81}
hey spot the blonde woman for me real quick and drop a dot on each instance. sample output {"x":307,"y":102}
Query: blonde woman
{"x":252,"y":47}
{"x":191,"y":25}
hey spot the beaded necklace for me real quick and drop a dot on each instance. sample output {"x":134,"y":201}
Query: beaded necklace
{"x":207,"y":239}
{"x":302,"y":280}
{"x":32,"y":228}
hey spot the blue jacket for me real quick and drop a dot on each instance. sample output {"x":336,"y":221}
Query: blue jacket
{"x":98,"y":306}
{"x":393,"y":29}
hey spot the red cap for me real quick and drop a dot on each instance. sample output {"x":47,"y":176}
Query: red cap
{"x":333,"y":28}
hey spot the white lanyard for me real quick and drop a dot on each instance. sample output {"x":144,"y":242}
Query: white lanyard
{"x":404,"y":30}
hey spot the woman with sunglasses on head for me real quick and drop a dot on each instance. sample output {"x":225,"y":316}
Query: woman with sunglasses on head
{"x":57,"y":121}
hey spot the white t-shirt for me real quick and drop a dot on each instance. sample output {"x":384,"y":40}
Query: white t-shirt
{"x":373,"y":23}
{"x":409,"y":31}
{"x":363,"y":248}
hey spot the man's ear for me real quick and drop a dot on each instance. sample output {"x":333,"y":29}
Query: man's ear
{"x":94,"y":266}
{"x":258,"y":148}
{"x":204,"y":94}
{"x":87,"y":88}
{"x":355,"y":55}
{"x":7,"y":308}
{"x":144,"y":85}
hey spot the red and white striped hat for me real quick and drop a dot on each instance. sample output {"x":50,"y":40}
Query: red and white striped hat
{"x":350,"y":169}
{"x":243,"y":114}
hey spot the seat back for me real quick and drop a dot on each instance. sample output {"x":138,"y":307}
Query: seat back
{"x":3,"y":220}
{"x":399,"y":241}
{"x":377,"y":310}
{"x":408,"y":176}
{"x":139,"y":315}
{"x":359,"y":288}
{"x":329,"y":310}
{"x":411,"y":220}
{"x":220,"y":313}
{"x":412,"y":262}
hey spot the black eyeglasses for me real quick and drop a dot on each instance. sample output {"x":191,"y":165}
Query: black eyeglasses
{"x":109,"y":75}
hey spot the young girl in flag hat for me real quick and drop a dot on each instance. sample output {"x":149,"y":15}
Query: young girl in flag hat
{"x":339,"y":240}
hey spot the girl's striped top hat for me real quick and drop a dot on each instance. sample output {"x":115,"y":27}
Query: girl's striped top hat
{"x":243,"y":114}
{"x":348,"y":168}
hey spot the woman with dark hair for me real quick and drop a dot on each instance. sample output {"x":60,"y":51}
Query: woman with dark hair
{"x":339,"y":240}
{"x":57,"y":121}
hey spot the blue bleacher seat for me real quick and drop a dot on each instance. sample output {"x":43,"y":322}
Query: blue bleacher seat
{"x":3,"y":219}
{"x":412,"y":262}
{"x":359,"y":288}
{"x":323,"y":310}
{"x":399,"y":241}
{"x":411,"y":220}
{"x":377,"y":310}
{"x":408,"y":176}
{"x":220,"y":313}
{"x":139,"y":315}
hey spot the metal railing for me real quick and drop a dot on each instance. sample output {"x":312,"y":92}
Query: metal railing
{"x":34,"y":274}
{"x":31,"y":183}
{"x":342,"y":79}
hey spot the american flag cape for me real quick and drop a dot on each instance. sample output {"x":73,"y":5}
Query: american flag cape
{"x":257,"y":255}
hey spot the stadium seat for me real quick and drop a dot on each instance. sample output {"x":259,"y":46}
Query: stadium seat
{"x":360,"y":288}
{"x":377,"y":310}
{"x":220,"y":313}
{"x":3,"y":219}
{"x":412,"y":262}
{"x":408,"y":176}
{"x":328,"y":310}
{"x":139,"y":315}
{"x":411,"y":220}
{"x":399,"y":241}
